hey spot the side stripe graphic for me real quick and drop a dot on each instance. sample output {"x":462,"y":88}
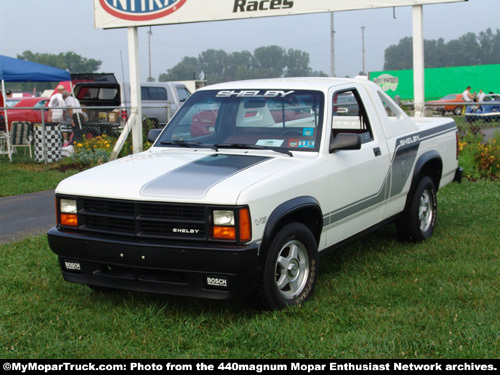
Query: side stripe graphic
{"x":399,"y":172}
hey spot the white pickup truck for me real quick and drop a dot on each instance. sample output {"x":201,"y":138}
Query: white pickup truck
{"x":247,"y":185}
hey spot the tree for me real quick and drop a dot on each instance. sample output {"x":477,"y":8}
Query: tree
{"x":240,"y":65}
{"x":265,"y":62}
{"x":398,"y":57}
{"x":187,"y":69}
{"x":214,"y":64}
{"x":297,"y":63}
{"x":490,"y":46}
{"x":269,"y":62}
{"x":469,"y":49}
{"x":69,"y":61}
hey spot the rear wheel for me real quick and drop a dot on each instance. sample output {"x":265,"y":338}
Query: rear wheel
{"x":419,"y":217}
{"x":291,"y":268}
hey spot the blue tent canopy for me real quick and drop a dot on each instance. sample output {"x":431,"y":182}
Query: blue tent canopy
{"x":16,"y":70}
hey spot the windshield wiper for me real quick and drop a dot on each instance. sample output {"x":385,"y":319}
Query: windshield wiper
{"x":188,"y":144}
{"x":252,"y":147}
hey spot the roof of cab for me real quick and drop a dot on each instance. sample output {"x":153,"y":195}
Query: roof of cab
{"x":304,"y":83}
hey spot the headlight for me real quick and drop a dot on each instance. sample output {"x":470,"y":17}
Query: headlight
{"x":232,"y":225}
{"x":68,"y":206}
{"x":68,"y":213}
{"x":224,"y":217}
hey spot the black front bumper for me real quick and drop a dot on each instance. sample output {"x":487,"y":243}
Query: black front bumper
{"x":216,"y":271}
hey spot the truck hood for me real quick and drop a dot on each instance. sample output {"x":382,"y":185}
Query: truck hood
{"x":176,"y":175}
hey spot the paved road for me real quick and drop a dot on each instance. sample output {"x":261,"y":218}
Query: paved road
{"x":24,"y":215}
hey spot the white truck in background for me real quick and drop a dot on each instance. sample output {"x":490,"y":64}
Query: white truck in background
{"x":159,"y":100}
{"x":248,"y":185}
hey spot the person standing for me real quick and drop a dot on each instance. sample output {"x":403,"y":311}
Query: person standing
{"x":467,"y":95}
{"x":56,"y":105}
{"x":75,"y":114}
{"x":480,"y":96}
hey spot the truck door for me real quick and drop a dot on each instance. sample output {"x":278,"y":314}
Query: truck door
{"x":358,"y":178}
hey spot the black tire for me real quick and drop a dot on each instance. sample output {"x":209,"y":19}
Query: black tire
{"x":419,"y":217}
{"x":291,"y":268}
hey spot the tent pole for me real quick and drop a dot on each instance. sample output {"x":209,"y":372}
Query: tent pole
{"x":9,"y":151}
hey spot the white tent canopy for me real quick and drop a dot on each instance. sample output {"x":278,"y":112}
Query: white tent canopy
{"x":135,"y":13}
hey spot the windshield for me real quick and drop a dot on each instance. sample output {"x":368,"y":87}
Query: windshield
{"x":287,"y":120}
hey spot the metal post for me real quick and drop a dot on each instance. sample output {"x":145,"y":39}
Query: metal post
{"x":418,"y":60}
{"x":135,"y":88}
{"x":134,"y":122}
{"x":44,"y":140}
{"x":332,"y":43}
{"x":150,"y":79}
{"x":363,"y":47}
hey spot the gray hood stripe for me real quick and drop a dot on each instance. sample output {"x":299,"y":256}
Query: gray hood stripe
{"x":196,"y":178}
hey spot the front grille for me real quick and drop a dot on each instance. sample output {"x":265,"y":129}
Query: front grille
{"x":143,"y":219}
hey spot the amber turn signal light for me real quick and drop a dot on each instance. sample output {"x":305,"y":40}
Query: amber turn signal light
{"x":70,"y":220}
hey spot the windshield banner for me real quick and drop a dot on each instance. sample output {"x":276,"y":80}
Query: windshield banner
{"x":128,"y":13}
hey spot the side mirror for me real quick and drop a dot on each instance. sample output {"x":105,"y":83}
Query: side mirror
{"x":345,"y":141}
{"x":153,"y":134}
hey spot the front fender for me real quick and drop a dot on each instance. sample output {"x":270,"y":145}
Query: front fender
{"x":303,"y":209}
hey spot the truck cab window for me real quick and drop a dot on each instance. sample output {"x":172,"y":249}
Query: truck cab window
{"x":153,"y":93}
{"x":349,"y":115}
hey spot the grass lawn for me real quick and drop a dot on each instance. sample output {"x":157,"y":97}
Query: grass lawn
{"x":28,"y":177}
{"x":375,"y":298}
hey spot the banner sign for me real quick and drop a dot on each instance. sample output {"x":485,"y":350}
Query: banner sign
{"x":134,"y":13}
{"x":439,"y":82}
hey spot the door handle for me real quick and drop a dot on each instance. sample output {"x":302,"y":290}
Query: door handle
{"x":377,"y":151}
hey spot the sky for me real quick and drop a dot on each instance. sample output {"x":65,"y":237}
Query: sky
{"x":57,"y":26}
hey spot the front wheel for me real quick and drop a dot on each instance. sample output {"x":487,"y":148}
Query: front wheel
{"x":419,"y":217}
{"x":291,"y":268}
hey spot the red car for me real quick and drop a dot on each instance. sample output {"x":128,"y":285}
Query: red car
{"x":27,"y":109}
{"x":445,"y":104}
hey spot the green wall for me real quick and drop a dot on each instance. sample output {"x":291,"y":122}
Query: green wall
{"x":440,"y":82}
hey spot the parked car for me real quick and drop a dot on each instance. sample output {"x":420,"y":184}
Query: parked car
{"x":27,"y":109}
{"x":485,"y":112}
{"x":445,"y":104}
